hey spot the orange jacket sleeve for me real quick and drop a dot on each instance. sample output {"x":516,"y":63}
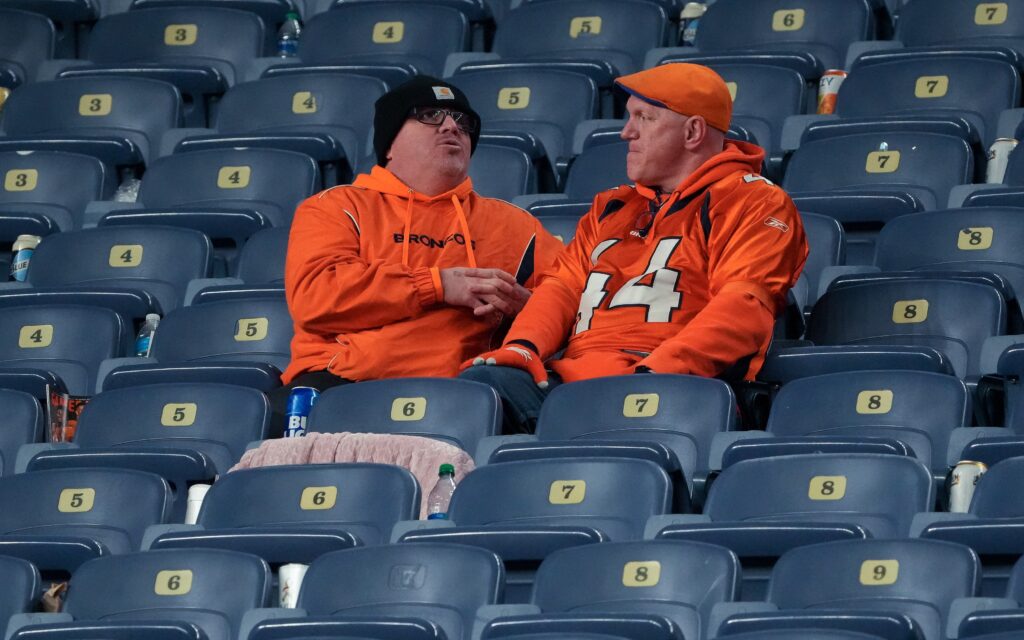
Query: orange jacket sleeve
{"x":548,"y":316}
{"x":753,"y":262}
{"x":331,"y":289}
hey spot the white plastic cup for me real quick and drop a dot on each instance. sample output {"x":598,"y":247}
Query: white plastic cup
{"x":289,"y":581}
{"x":998,"y":159}
{"x":196,"y":493}
{"x":965,"y":478}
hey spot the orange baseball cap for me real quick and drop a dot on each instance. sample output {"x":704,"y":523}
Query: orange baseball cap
{"x":689,"y":89}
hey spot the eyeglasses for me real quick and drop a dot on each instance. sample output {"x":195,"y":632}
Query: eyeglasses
{"x":434,"y":116}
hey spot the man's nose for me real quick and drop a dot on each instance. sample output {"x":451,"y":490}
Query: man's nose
{"x":448,"y":123}
{"x":628,"y":131}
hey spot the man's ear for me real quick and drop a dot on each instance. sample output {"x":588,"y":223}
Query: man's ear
{"x":696,"y":131}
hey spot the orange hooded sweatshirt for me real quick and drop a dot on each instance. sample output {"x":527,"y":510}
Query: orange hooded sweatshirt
{"x":362,"y":276}
{"x":682,"y":282}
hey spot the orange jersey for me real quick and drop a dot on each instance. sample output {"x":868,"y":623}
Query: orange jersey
{"x":686,"y":282}
{"x":362,"y":276}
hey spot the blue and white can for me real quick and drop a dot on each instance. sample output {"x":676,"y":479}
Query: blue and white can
{"x":23,"y":248}
{"x":300,"y":403}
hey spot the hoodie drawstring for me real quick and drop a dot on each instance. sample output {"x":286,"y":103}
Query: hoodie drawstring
{"x":463,"y":224}
{"x":465,"y":230}
{"x":405,"y":233}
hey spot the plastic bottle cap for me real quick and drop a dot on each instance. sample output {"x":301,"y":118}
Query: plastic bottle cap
{"x":291,"y":15}
{"x":446,"y":469}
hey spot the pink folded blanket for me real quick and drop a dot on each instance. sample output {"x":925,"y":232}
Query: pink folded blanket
{"x":422,"y":456}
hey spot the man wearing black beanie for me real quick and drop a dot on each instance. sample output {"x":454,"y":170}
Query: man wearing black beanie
{"x":408,"y":271}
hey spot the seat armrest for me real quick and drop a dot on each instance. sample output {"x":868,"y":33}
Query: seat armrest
{"x":28,"y":451}
{"x":655,"y":524}
{"x":403,"y":527}
{"x":196,"y":285}
{"x":960,"y":608}
{"x":487,"y":445}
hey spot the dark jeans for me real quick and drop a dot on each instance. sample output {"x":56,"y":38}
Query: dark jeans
{"x":521,"y":398}
{"x":319,"y":380}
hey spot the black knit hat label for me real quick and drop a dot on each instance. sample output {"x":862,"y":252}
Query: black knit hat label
{"x":443,"y":93}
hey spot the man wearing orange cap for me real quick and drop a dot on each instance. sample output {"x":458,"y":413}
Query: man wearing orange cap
{"x":682,"y":272}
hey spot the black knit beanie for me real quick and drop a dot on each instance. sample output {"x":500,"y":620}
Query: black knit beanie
{"x":392,"y":109}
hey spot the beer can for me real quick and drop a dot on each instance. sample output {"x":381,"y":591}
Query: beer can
{"x":998,"y":158}
{"x":23,"y":248}
{"x":828,"y":90}
{"x":689,"y":20}
{"x":300,"y":403}
{"x":289,"y":581}
{"x":196,"y":495}
{"x":4,"y":94}
{"x":961,"y":489}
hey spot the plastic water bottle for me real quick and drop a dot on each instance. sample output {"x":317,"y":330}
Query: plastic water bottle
{"x":441,"y":494}
{"x":144,"y":342}
{"x":288,"y":36}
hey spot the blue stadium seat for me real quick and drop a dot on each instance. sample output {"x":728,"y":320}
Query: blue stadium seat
{"x":764,"y":95}
{"x":231,"y":194}
{"x":71,"y":18}
{"x":324,"y":115}
{"x":1009,"y":195}
{"x":118,"y":120}
{"x":414,"y":37}
{"x":819,"y":30}
{"x":928,"y":23}
{"x":955,"y":84}
{"x":20,"y":590}
{"x":911,"y":311}
{"x":26,"y":39}
{"x":857,"y":156}
{"x":23,"y":425}
{"x":183,"y":432}
{"x":525,"y":510}
{"x":843,"y":584}
{"x":61,"y":518}
{"x":852,"y":410}
{"x":435,"y":589}
{"x":764,"y":507}
{"x":677,"y":415}
{"x":616,"y":33}
{"x":784,"y":365}
{"x":260,"y":270}
{"x":70,"y":341}
{"x":600,"y":166}
{"x":502,"y":172}
{"x":47,"y":191}
{"x":102,"y":266}
{"x":994,"y":524}
{"x":232,"y":341}
{"x":294,"y":513}
{"x":798,"y":634}
{"x":562,"y":227}
{"x":591,"y":588}
{"x":986,"y":624}
{"x":271,"y":12}
{"x":545,"y":103}
{"x":459,"y":412}
{"x":263,"y":255}
{"x":208,"y":588}
{"x":980,"y":239}
{"x":827,"y":242}
{"x":202,"y":50}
